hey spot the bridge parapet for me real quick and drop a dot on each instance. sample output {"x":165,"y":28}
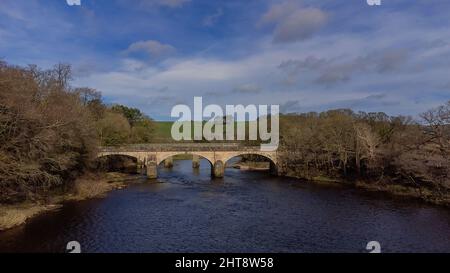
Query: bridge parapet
{"x":184,"y":147}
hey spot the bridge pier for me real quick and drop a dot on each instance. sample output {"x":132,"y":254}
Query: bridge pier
{"x":151,"y":170}
{"x":140,"y":166}
{"x":273,"y":169}
{"x":195,"y":161}
{"x":218,"y":169}
{"x":168,"y":162}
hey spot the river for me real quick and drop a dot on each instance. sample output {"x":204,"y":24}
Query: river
{"x":187,"y":211}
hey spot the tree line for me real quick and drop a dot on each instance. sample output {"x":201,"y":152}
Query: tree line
{"x":50,"y":131}
{"x":372,"y":148}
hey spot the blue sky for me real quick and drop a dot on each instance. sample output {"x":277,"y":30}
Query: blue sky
{"x":301,"y":54}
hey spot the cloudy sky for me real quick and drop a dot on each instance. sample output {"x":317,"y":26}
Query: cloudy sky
{"x":304,"y":55}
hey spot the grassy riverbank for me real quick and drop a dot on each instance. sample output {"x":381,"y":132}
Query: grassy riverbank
{"x":86,"y":187}
{"x":424,"y":194}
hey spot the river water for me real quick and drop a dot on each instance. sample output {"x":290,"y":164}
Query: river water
{"x":187,"y":211}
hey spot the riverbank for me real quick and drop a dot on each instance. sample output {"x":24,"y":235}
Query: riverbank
{"x":387,"y":187}
{"x":426,"y":195}
{"x":86,"y":187}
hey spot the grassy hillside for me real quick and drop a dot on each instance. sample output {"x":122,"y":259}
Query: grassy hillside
{"x":163,"y":129}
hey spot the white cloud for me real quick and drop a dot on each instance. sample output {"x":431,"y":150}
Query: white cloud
{"x":292,"y":22}
{"x":337,"y":70}
{"x":248,"y":88}
{"x":132,"y":65}
{"x":153,"y":48}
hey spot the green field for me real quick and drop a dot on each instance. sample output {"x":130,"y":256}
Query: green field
{"x":162,"y":133}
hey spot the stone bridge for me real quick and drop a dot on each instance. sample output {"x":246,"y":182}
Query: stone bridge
{"x":149,"y":156}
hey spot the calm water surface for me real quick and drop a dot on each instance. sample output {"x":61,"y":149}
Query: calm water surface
{"x":187,"y":211}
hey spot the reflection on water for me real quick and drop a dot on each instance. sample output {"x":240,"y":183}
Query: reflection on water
{"x":187,"y":211}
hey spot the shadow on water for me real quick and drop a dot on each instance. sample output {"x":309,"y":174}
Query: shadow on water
{"x":187,"y":211}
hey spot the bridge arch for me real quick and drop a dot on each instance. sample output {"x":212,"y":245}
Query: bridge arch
{"x":161,"y":156}
{"x":134,"y":155}
{"x":271,"y":158}
{"x":273,"y":167}
{"x":117,"y":163}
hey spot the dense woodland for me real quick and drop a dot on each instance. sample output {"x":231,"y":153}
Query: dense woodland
{"x":50,"y":132}
{"x":372,"y":148}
